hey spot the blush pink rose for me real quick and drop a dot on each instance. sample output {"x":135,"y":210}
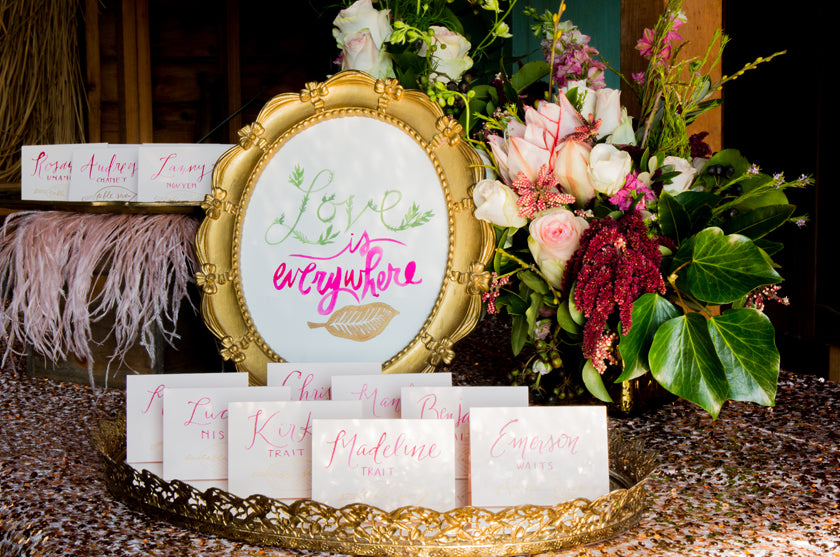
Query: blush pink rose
{"x":554,"y":238}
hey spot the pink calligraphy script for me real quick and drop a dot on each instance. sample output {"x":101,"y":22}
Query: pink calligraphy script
{"x":44,"y":164}
{"x":170,"y":169}
{"x":275,"y":431}
{"x":429,"y":407}
{"x":509,"y":440}
{"x":359,"y":283}
{"x":386,"y":448}
{"x":297,"y":380}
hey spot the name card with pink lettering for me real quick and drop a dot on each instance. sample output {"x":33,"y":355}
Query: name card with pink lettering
{"x":538,"y":455}
{"x":177,"y":171}
{"x":144,"y":411}
{"x":104,"y":173}
{"x":455,"y":403}
{"x":46,"y":170}
{"x":312,"y":381}
{"x":195,"y":431}
{"x":380,"y":394}
{"x":384,"y":463}
{"x":270,"y":445}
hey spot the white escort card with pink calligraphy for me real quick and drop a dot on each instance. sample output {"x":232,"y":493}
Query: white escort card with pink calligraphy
{"x":177,"y":171}
{"x":312,"y":380}
{"x":538,"y":455}
{"x":270,"y":445}
{"x":455,"y":403}
{"x":384,"y":463}
{"x":380,"y":394}
{"x":104,"y":173}
{"x":195,"y":431}
{"x":144,"y":411}
{"x":45,"y":170}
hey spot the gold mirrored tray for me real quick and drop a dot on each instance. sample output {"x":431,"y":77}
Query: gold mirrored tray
{"x":365,"y":530}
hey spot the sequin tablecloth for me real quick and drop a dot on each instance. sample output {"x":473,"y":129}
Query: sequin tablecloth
{"x":755,"y":482}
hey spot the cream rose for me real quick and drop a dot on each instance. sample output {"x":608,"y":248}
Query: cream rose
{"x":360,"y":16}
{"x":608,"y":168}
{"x":496,"y":204}
{"x":450,"y":57}
{"x":683,"y":181}
{"x":571,"y":168}
{"x":554,"y":238}
{"x":360,"y":53}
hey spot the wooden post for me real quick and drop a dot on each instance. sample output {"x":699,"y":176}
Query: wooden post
{"x":93,"y":72}
{"x":704,"y":17}
{"x":135,"y":73}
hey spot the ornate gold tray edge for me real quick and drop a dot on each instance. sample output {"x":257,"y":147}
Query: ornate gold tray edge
{"x":366,"y":530}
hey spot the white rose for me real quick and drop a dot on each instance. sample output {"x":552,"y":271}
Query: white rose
{"x":623,"y":134}
{"x":608,"y":168}
{"x":683,"y":181}
{"x":360,"y":53}
{"x":608,"y":110}
{"x":451,"y":57}
{"x":360,"y":16}
{"x":496,"y":204}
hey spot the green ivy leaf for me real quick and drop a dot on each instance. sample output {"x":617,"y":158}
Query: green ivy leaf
{"x":518,"y":333}
{"x":594,"y":382}
{"x":564,"y":318}
{"x":533,"y":281}
{"x":759,"y":222}
{"x":744,"y":340}
{"x":674,"y":220}
{"x":683,"y":360}
{"x":726,"y":267}
{"x":649,"y":312}
{"x":529,"y":74}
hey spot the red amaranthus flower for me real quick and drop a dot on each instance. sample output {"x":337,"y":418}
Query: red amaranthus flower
{"x":615,"y":264}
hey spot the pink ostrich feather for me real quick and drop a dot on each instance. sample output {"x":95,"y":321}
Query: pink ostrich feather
{"x":50,"y":261}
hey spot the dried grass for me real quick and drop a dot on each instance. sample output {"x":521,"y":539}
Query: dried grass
{"x":41,"y":85}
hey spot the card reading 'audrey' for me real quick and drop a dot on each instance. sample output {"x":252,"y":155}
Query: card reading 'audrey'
{"x":104,"y":173}
{"x":385,"y":463}
{"x":195,"y":430}
{"x":312,"y":381}
{"x":455,"y":403}
{"x":270,"y":445}
{"x":538,"y":455}
{"x":144,"y":411}
{"x":380,"y":394}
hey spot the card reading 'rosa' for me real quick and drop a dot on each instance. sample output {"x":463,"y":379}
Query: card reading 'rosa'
{"x":538,"y":455}
{"x":45,"y":170}
{"x":104,"y":173}
{"x":270,"y":445}
{"x":385,"y":463}
{"x":312,"y":381}
{"x":177,"y":171}
{"x":380,"y":394}
{"x":195,"y":430}
{"x":455,"y":403}
{"x":144,"y":411}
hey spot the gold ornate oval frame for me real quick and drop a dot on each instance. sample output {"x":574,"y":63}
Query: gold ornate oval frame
{"x":237,"y":177}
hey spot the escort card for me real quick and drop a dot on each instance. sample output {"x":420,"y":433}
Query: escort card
{"x":177,"y":171}
{"x":104,"y":173}
{"x":454,"y":403}
{"x":195,"y":431}
{"x":384,"y":463}
{"x":144,"y":411}
{"x":311,"y":381}
{"x":380,"y":394}
{"x":46,"y":170}
{"x":538,"y":455}
{"x":270,"y":445}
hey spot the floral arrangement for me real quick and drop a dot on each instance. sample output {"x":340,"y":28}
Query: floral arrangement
{"x":624,"y":245}
{"x":627,"y":248}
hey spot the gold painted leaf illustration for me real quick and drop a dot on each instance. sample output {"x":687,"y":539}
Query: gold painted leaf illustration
{"x":359,"y":323}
